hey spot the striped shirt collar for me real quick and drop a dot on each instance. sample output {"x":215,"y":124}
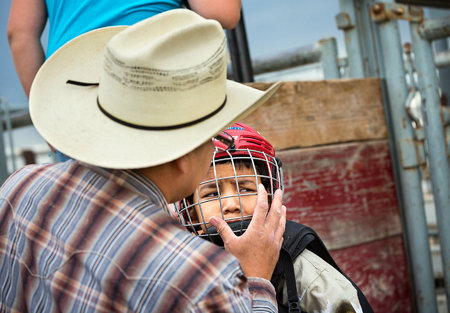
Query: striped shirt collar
{"x":134,"y":181}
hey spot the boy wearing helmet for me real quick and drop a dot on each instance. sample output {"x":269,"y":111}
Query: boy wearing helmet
{"x":306,"y":277}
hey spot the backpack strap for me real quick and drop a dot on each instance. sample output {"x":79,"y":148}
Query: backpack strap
{"x":296,"y":238}
{"x":293,"y":302}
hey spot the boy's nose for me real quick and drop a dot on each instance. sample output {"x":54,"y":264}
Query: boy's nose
{"x":230,"y":205}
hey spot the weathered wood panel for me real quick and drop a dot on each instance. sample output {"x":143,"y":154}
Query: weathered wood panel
{"x":379,"y":269}
{"x":346,"y":193}
{"x":311,"y":113}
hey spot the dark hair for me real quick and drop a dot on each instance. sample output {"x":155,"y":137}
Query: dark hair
{"x":260,"y":167}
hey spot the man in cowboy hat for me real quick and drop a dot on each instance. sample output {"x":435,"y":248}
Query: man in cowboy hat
{"x":136,"y":109}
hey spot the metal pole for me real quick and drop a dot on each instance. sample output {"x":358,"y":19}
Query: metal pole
{"x":369,"y":39}
{"x":288,"y":59}
{"x":346,"y":21}
{"x":5,"y":107}
{"x":409,"y":172}
{"x":240,"y":55}
{"x":435,"y":28}
{"x":442,"y":59}
{"x":234,"y":55}
{"x":441,"y":46}
{"x":329,"y":58}
{"x":3,"y":167}
{"x":434,"y":134}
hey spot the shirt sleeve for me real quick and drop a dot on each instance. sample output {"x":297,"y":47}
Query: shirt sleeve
{"x":322,"y":288}
{"x":263,"y":295}
{"x":240,"y":294}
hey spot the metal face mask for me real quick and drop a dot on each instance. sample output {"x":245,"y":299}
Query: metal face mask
{"x":230,"y":189}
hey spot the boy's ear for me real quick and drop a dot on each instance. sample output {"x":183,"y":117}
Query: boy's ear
{"x":194,"y":216}
{"x":192,"y":211}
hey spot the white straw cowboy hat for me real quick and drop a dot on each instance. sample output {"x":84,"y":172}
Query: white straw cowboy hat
{"x":139,"y":96}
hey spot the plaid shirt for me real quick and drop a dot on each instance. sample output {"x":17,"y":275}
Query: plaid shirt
{"x":76,"y":238}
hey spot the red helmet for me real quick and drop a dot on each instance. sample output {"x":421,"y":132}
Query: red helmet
{"x":245,"y":137}
{"x":243,"y":145}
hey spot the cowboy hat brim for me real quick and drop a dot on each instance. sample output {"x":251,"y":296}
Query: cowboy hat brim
{"x":68,"y":118}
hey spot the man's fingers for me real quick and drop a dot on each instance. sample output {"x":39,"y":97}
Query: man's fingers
{"x":282,"y":224}
{"x":259,"y":215}
{"x":275,"y":213}
{"x":223,"y":229}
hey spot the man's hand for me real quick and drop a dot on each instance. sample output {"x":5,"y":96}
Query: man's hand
{"x":259,"y":247}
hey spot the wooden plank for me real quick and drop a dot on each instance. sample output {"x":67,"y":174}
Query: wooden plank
{"x":311,"y":113}
{"x":380,"y":270}
{"x":345,"y":192}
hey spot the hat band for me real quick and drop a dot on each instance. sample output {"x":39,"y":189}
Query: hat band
{"x":169,"y":127}
{"x":118,"y":120}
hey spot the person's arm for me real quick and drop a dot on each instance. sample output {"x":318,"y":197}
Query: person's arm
{"x":226,"y":12}
{"x":26,"y":23}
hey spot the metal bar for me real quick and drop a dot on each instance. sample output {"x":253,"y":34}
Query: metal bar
{"x":346,"y":21}
{"x":239,"y":52}
{"x":435,"y":141}
{"x":244,"y":53}
{"x":369,"y":39}
{"x":18,"y":119}
{"x":3,"y":166}
{"x":234,"y":56}
{"x":288,"y":59}
{"x":409,"y":172}
{"x":328,"y":48}
{"x":5,"y":107}
{"x":442,"y":59}
{"x":308,"y":55}
{"x":440,"y":46}
{"x":435,"y":28}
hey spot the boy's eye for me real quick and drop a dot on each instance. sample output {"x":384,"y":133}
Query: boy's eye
{"x":247,"y":187}
{"x":211,"y":194}
{"x":208,"y":194}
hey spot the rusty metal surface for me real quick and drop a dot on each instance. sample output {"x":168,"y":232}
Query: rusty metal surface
{"x":435,"y":28}
{"x":381,"y":12}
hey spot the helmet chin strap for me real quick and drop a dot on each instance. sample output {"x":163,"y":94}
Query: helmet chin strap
{"x":238,"y":228}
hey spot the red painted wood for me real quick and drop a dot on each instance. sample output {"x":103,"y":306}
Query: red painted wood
{"x":346,"y":192}
{"x":379,"y":268}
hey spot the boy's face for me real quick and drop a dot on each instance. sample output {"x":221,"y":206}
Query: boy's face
{"x":229,"y":204}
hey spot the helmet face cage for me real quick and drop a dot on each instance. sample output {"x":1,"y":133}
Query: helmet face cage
{"x":263,"y":168}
